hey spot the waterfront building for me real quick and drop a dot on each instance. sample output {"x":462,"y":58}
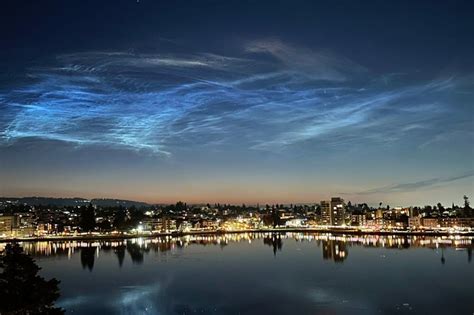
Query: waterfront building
{"x":209,"y":224}
{"x":358,"y":219}
{"x":337,"y":211}
{"x":7,"y":224}
{"x":379,"y":213}
{"x":164,"y":225}
{"x":151,"y":224}
{"x":295,"y":223}
{"x":185,"y":226}
{"x":326,"y":218}
{"x":449,"y":222}
{"x":414,"y":222}
{"x":430,"y":223}
{"x":333,"y":212}
{"x":464,"y":222}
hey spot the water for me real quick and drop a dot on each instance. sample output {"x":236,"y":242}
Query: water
{"x":293,"y":273}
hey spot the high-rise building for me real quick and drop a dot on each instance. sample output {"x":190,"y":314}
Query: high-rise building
{"x":332,"y":212}
{"x":326,"y":213}
{"x":8,"y":223}
{"x":337,"y":211}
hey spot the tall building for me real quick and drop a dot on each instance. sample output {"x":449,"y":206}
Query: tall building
{"x":379,"y":213}
{"x":332,"y":212}
{"x":337,"y":211}
{"x":8,"y":223}
{"x":326,"y":213}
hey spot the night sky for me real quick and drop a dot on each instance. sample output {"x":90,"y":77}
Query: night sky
{"x":238,"y":101}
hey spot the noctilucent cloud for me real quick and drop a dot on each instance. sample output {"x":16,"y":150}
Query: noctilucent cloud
{"x":238,"y":101}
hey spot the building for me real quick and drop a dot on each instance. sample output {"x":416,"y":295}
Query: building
{"x":379,"y":213}
{"x":414,"y":222}
{"x":358,"y":219}
{"x":447,"y":222}
{"x":326,"y":213}
{"x":430,"y":223}
{"x":185,"y":226}
{"x":464,"y":222}
{"x":295,"y":223}
{"x":333,"y":212}
{"x":7,"y":224}
{"x":379,"y":219}
{"x":162,"y":225}
{"x":337,"y":211}
{"x":371,"y":223}
{"x":151,"y":224}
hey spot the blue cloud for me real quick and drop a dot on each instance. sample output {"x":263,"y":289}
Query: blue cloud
{"x":269,"y":98}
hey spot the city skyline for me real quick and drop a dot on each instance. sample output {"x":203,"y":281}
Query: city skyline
{"x":288,"y":103}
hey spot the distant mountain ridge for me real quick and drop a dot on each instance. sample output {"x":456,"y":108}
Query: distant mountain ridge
{"x":63,"y":202}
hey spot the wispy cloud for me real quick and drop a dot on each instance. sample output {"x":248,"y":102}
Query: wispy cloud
{"x":158,"y":102}
{"x":316,"y":64}
{"x":413,"y":186}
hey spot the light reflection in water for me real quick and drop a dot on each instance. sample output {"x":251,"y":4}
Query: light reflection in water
{"x":334,"y":247}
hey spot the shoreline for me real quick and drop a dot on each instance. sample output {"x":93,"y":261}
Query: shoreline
{"x":90,"y":237}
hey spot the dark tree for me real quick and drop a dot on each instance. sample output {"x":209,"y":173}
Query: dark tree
{"x":136,"y":215}
{"x":180,"y":206}
{"x":467,"y":210}
{"x":104,"y":225}
{"x":318,"y":210}
{"x":22,"y":290}
{"x":276,"y":218}
{"x":87,"y":222}
{"x":120,"y":218}
{"x":267,"y":219}
{"x":466,"y":202}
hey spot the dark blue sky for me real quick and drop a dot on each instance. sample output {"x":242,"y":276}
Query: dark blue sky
{"x":285,"y":101}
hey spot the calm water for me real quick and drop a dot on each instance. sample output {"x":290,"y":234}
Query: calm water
{"x":263,"y":274}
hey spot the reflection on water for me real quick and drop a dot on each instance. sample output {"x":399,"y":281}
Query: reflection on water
{"x":334,"y":250}
{"x":119,"y":250}
{"x":273,"y":240}
{"x":88,"y":256}
{"x":262,"y":273}
{"x":333,"y":247}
